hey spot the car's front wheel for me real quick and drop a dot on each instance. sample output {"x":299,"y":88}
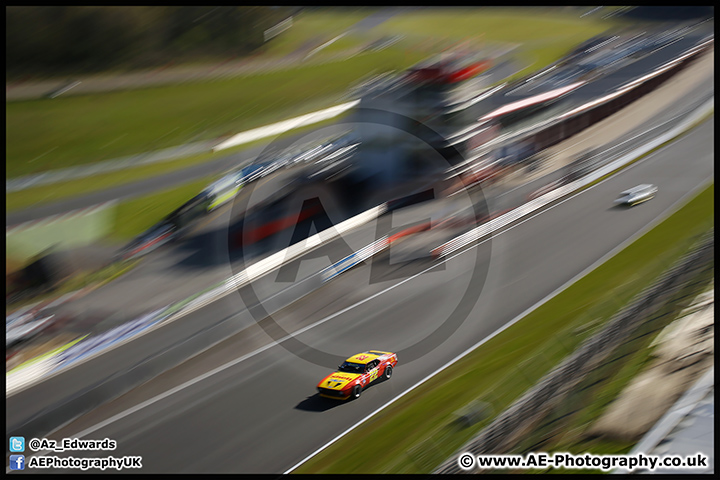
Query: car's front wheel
{"x":356,"y":391}
{"x":388,"y":372}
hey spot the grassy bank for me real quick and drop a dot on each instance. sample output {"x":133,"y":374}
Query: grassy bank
{"x":542,"y":34}
{"x":566,"y":427}
{"x":137,"y":215}
{"x":418,"y":432}
{"x":313,"y":28}
{"x":55,"y":133}
{"x":74,"y":188}
{"x":50,"y":134}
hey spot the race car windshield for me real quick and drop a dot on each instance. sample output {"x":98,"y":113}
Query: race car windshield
{"x":352,"y":367}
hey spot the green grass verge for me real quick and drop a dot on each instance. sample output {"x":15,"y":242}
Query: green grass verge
{"x":418,"y":432}
{"x":73,"y":188}
{"x":565,"y":428}
{"x":49,"y":134}
{"x":137,"y":215}
{"x":315,"y":28}
{"x":497,"y":24}
{"x":343,"y":44}
{"x":545,"y":34}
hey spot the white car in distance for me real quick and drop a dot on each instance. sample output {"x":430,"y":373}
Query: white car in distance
{"x":635,"y":195}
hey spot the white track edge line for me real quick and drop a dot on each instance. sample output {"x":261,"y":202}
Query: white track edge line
{"x":664,"y":215}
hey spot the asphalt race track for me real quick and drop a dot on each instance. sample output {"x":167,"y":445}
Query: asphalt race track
{"x":247,"y":405}
{"x":258,"y":411}
{"x":190,"y":264}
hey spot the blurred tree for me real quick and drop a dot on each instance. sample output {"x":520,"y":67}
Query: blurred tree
{"x":61,"y":40}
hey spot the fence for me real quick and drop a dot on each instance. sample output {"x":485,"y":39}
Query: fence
{"x":572,"y":419}
{"x":525,"y":413}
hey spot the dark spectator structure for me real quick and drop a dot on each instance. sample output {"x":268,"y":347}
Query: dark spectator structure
{"x":671,"y":13}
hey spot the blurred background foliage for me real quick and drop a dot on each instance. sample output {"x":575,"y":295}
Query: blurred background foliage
{"x":62,"y":39}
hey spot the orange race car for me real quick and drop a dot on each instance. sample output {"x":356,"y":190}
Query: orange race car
{"x":356,"y":373}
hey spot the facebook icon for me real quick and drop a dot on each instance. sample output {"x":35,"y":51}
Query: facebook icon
{"x":17,"y":462}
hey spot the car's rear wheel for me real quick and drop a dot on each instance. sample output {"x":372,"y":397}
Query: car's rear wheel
{"x":356,"y":391}
{"x":388,"y":372}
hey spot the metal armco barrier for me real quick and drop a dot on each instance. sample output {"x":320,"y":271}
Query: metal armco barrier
{"x":524,"y":412}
